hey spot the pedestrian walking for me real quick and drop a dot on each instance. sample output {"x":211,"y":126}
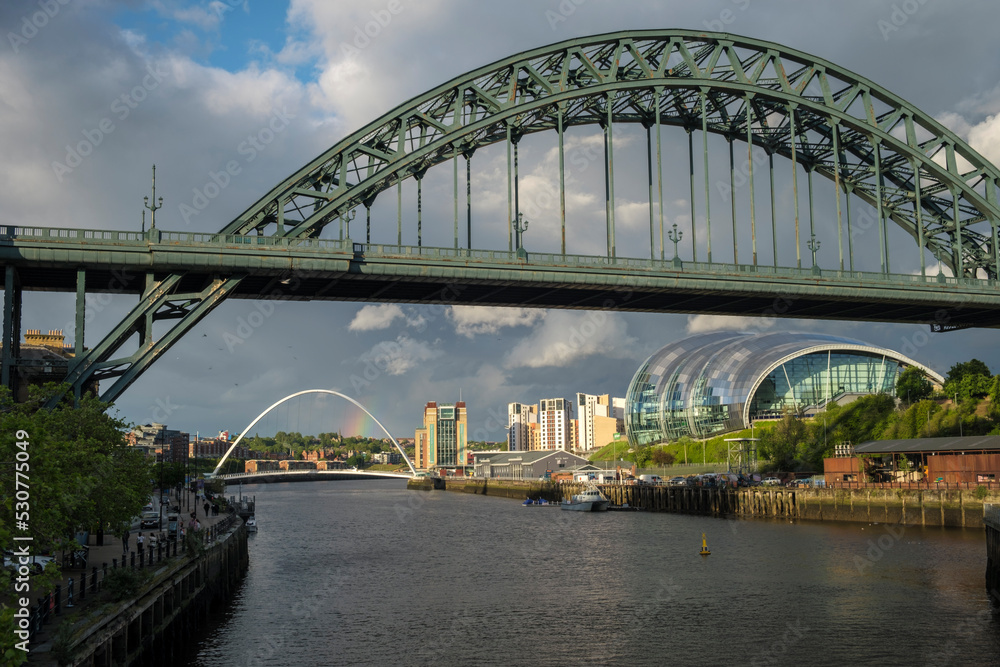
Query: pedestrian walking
{"x":139,"y":542}
{"x":125,"y":537}
{"x":207,"y":507}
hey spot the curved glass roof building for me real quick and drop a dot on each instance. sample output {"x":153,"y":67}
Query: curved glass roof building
{"x":718,"y":382}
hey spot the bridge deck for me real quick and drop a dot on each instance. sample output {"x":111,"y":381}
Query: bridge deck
{"x":320,"y":269}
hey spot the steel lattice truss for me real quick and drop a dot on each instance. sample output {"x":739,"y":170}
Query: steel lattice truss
{"x":834,"y":123}
{"x":845,"y":128}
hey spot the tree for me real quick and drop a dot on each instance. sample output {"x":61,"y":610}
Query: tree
{"x":913,"y":385}
{"x":780,"y":444}
{"x":662,"y":457}
{"x":83,"y":474}
{"x":974,"y":386}
{"x":970,"y":367}
{"x":643,"y":456}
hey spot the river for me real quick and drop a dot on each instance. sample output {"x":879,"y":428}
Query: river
{"x":368,"y":573}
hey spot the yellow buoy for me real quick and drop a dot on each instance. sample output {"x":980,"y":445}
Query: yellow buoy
{"x":704,"y":546}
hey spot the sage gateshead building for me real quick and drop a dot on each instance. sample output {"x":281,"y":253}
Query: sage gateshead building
{"x":718,"y":382}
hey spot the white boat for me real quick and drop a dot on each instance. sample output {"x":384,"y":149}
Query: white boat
{"x":252,"y":525}
{"x":589,"y":500}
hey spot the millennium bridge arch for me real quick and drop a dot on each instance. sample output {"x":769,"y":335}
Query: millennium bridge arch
{"x":871,"y":145}
{"x":413,"y":471}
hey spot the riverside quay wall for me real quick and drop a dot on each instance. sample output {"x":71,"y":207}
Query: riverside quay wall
{"x":958,"y":508}
{"x":992,"y":519}
{"x":153,"y":628}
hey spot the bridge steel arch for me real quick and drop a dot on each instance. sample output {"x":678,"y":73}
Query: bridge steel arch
{"x":871,"y":143}
{"x":413,"y":471}
{"x":844,"y":127}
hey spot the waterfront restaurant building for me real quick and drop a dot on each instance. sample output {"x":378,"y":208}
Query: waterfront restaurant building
{"x":718,"y":382}
{"x":969,"y":462}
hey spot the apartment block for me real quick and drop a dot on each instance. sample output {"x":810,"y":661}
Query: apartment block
{"x":553,"y":419}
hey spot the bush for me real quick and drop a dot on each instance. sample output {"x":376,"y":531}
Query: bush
{"x":981,"y":492}
{"x":124,"y":583}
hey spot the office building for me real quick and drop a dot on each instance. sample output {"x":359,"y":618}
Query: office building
{"x":442,"y":442}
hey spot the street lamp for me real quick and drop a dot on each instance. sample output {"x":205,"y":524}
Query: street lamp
{"x":959,"y":414}
{"x":813,"y":246}
{"x":349,"y":216}
{"x":520,"y":226}
{"x":160,"y":501}
{"x":152,"y":207}
{"x":676,"y":235}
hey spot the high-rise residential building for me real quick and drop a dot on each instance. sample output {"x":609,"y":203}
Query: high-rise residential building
{"x":442,"y":441}
{"x":519,"y":417}
{"x":589,"y":406}
{"x":574,"y":434}
{"x":534,"y":436}
{"x":553,"y":420}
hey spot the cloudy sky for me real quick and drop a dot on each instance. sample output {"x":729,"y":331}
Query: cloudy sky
{"x":184,"y":84}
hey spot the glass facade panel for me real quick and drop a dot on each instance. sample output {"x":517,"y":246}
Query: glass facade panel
{"x":447,"y":443}
{"x":700,"y":386}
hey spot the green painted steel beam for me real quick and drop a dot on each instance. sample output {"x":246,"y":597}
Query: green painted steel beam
{"x":535,"y":89}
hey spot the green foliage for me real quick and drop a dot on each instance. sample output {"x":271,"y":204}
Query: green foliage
{"x":970,"y":386}
{"x":913,"y":385}
{"x":295,"y":443}
{"x":642,"y":456}
{"x":62,"y":644}
{"x":661,"y":457}
{"x":779,"y":445}
{"x":83,"y":474}
{"x":981,"y":492}
{"x":11,"y":655}
{"x":971,"y":367}
{"x":125,"y":583}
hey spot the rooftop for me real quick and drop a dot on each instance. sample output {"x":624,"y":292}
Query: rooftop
{"x":977,"y":443}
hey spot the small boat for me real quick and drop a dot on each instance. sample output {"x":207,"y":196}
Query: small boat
{"x":528,"y":501}
{"x":252,"y":525}
{"x":589,"y":500}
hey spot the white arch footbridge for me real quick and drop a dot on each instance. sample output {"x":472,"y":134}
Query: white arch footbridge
{"x":409,"y":463}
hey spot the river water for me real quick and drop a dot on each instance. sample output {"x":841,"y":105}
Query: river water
{"x":368,"y":573}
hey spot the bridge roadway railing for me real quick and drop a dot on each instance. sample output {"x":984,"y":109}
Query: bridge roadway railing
{"x":236,"y":476}
{"x":10,"y":235}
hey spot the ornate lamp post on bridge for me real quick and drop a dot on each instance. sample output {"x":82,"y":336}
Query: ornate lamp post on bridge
{"x":154,"y":207}
{"x":350,"y":215}
{"x":813,"y":245}
{"x":676,"y":235}
{"x":520,"y":226}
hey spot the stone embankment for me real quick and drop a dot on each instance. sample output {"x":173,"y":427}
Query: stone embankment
{"x":153,"y":628}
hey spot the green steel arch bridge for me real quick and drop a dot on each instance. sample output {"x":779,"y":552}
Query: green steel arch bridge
{"x":889,"y":166}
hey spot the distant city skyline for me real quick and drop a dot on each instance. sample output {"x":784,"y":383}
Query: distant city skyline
{"x":103,"y":90}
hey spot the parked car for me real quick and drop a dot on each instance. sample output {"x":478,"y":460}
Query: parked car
{"x":649,"y":479}
{"x":11,"y":562}
{"x":770,"y":481}
{"x":677,"y":481}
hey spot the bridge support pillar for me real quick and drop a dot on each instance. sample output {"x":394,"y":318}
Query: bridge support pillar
{"x":11,"y":329}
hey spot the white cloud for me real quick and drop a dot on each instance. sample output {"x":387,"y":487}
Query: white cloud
{"x":370,"y":318}
{"x":567,"y":337}
{"x":703,"y":323}
{"x":205,"y":18}
{"x":473,"y":320}
{"x":401,"y":355}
